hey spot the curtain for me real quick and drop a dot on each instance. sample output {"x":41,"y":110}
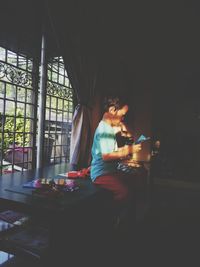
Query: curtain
{"x":82,"y":71}
{"x":73,"y":39}
{"x":81,"y":138}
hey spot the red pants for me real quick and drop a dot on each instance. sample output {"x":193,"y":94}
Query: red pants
{"x":120,"y":184}
{"x":123,"y":185}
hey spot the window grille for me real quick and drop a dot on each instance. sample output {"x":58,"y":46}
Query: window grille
{"x":59,"y":109}
{"x":18,"y":117}
{"x":16,"y":111}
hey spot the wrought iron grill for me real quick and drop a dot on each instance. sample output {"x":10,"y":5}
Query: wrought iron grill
{"x":16,"y":111}
{"x":59,"y":109}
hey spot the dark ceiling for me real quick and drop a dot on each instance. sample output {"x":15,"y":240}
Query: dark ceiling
{"x":146,"y":34}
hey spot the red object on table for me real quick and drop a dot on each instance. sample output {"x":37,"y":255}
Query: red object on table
{"x":83,"y":173}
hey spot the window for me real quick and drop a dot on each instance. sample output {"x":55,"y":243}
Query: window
{"x":59,"y":109}
{"x":18,"y":112}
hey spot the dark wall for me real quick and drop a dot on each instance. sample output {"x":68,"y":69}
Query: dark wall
{"x":176,"y":117}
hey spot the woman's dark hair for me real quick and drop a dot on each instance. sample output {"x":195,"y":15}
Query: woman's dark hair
{"x":113,"y":101}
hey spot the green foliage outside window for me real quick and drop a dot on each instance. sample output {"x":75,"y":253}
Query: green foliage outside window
{"x":9,"y":124}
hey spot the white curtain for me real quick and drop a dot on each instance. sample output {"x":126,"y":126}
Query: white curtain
{"x":80,"y":138}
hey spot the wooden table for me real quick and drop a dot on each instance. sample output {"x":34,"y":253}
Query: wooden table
{"x":13,"y":193}
{"x":77,"y":216}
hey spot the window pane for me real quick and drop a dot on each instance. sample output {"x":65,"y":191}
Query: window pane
{"x":61,"y":79}
{"x":11,"y":91}
{"x":20,"y":109}
{"x":10,"y":107}
{"x":30,"y":65}
{"x":2,"y":54}
{"x":12,"y":58}
{"x":65,"y":116}
{"x":28,"y":139}
{"x":48,"y":103}
{"x":19,"y":125}
{"x":2,"y":89}
{"x":22,"y":62}
{"x":29,"y":111}
{"x":29,"y":125}
{"x":60,"y":104}
{"x":29,"y":96}
{"x":21,"y":94}
{"x":59,"y":116}
{"x":47,"y":114}
{"x":1,"y":105}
